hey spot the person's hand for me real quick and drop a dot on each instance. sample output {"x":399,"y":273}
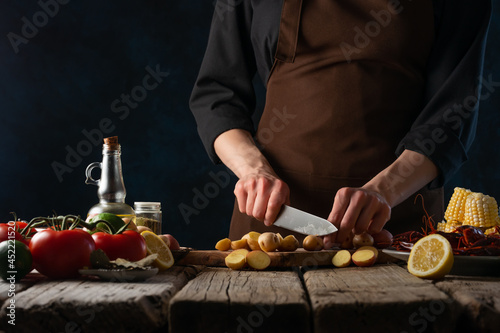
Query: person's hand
{"x":261,"y":195}
{"x":357,"y":210}
{"x":259,"y":191}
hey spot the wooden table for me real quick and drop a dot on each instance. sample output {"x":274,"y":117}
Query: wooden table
{"x":193,"y":298}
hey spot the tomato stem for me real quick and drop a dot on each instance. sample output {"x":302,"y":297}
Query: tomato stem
{"x":15,"y":215}
{"x":68,"y":222}
{"x":58,"y":223}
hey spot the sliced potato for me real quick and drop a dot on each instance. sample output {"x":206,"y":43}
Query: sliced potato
{"x":239,"y":244}
{"x":241,"y":251}
{"x":235,"y":260}
{"x":258,"y":259}
{"x":252,"y":240}
{"x":364,"y":258}
{"x":223,"y":244}
{"x":371,"y":248}
{"x":341,"y":259}
{"x":289,"y":243}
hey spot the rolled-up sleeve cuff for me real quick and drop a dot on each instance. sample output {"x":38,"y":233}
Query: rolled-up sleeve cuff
{"x":222,"y":119}
{"x":440,"y":145}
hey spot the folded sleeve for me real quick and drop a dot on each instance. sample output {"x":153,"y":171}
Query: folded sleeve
{"x":223,"y":96}
{"x":446,"y":126}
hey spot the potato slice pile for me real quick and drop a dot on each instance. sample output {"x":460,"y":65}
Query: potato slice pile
{"x":253,"y":248}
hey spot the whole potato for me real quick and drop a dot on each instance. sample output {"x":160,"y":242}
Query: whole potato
{"x":142,"y":228}
{"x":347,"y":244}
{"x":382,"y":239}
{"x":165,"y":240}
{"x":174,"y":244}
{"x":364,"y":239}
{"x":269,"y":241}
{"x":312,"y":243}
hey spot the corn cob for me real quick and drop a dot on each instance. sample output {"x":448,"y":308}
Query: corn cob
{"x":449,"y":226}
{"x":481,"y":211}
{"x":441,"y":226}
{"x":452,"y":225}
{"x":491,"y":231}
{"x":456,"y":207}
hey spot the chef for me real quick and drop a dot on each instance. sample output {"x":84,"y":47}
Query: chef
{"x":371,"y":106}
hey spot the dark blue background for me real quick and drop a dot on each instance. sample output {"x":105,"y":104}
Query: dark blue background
{"x":63,"y":81}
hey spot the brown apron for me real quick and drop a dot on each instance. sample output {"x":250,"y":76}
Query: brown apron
{"x":345,"y":88}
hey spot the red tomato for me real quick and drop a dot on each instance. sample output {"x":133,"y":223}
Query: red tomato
{"x":9,"y":231}
{"x":129,"y":245}
{"x":21,"y":224}
{"x":60,"y":254}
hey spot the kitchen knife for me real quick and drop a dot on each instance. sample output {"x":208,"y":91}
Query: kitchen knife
{"x":296,"y":220}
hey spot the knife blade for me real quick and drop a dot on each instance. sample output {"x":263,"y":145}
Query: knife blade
{"x":302,"y":222}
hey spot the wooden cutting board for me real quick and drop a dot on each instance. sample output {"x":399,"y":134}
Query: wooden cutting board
{"x":300,"y":257}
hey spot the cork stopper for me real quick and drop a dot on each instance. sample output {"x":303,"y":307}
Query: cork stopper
{"x":111,"y":143}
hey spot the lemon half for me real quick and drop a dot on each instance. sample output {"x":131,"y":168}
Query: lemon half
{"x":155,"y":244}
{"x":431,"y":257}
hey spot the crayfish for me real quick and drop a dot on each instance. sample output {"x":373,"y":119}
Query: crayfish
{"x":464,"y":240}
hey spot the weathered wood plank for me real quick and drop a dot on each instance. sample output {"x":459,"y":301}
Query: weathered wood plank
{"x":479,"y":300}
{"x":28,"y":281}
{"x":223,"y":300}
{"x":97,"y":306}
{"x":382,"y":298}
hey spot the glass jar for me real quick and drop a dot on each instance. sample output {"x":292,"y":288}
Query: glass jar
{"x":148,"y":214}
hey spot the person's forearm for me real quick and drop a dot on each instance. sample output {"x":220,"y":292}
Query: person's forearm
{"x":259,"y":191}
{"x":410,"y":172}
{"x":237,"y":150}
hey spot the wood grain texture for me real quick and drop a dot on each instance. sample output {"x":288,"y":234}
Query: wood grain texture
{"x":381,"y":298}
{"x":97,"y":306}
{"x":223,"y":300}
{"x":27,"y":282}
{"x":479,"y":301}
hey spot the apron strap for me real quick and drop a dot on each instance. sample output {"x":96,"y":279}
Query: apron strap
{"x":289,"y":30}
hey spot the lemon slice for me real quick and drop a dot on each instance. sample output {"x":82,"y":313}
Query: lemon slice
{"x":155,"y":244}
{"x":431,"y":257}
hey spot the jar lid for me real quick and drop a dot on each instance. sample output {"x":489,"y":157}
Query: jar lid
{"x":147,"y":205}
